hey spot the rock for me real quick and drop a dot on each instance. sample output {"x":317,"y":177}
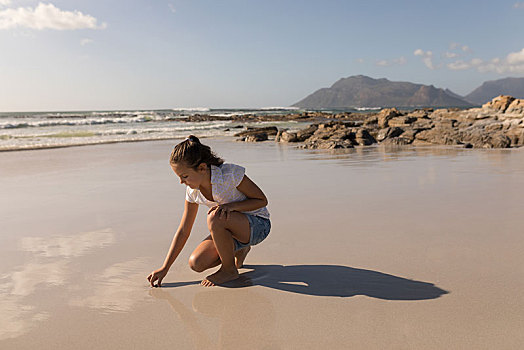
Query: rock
{"x":385,"y":115}
{"x":442,"y":136}
{"x":270,"y":130}
{"x":499,"y":103}
{"x":493,"y":127}
{"x":396,"y":141}
{"x":256,"y":137}
{"x":499,"y":140}
{"x":468,"y":145}
{"x":447,"y":123}
{"x":389,"y":132}
{"x":516,"y":107}
{"x":516,"y":136}
{"x":475,"y":127}
{"x":364,"y":138}
{"x":409,"y":134}
{"x":288,"y":137}
{"x":371,"y":120}
{"x":304,"y":134}
{"x":279,"y":135}
{"x":328,"y":144}
{"x":401,"y":121}
{"x":420,"y":113}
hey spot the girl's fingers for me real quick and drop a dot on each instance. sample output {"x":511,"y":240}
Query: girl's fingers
{"x":153,"y":279}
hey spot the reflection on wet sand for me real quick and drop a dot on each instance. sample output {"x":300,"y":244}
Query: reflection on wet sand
{"x":364,"y":156}
{"x":47,"y":267}
{"x":68,"y":246}
{"x":17,"y":318}
{"x":117,"y":289}
{"x":24,"y":282}
{"x":246,"y":318}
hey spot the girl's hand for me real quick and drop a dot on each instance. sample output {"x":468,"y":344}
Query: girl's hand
{"x":222,"y":210}
{"x":157,"y":275}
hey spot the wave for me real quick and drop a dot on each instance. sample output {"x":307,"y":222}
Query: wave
{"x":368,"y":108}
{"x":78,"y":122}
{"x":280,"y":108}
{"x":191,"y":109}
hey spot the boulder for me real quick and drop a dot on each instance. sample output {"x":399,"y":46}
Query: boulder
{"x":442,"y":136}
{"x":516,"y":107}
{"x":401,"y":121}
{"x":371,"y":120}
{"x":396,"y":141}
{"x":499,"y":140}
{"x":288,"y":137}
{"x":270,"y":130}
{"x":328,"y":144}
{"x":304,"y":134}
{"x":388,"y":132}
{"x":262,"y":136}
{"x":499,"y":103}
{"x":364,"y":138}
{"x":385,"y":115}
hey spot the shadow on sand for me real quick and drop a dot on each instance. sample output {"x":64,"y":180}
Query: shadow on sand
{"x":331,"y":280}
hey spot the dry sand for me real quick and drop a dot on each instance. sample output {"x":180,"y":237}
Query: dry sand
{"x":373,"y":248}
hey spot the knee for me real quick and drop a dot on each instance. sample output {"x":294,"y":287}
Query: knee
{"x":196,"y":264}
{"x":214,"y":221}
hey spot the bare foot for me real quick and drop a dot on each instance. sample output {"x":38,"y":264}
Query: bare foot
{"x":240,"y":256}
{"x":219,"y":277}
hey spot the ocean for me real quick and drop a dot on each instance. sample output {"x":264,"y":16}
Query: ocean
{"x":36,"y":130}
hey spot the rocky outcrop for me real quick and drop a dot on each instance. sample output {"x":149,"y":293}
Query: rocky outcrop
{"x":257,"y":134}
{"x":497,"y":124}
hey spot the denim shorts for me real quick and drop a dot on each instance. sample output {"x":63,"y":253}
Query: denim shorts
{"x":259,"y":231}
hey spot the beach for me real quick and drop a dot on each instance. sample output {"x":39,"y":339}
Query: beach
{"x":370,"y":248}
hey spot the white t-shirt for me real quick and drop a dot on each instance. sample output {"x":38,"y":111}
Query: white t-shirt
{"x":224,"y":182}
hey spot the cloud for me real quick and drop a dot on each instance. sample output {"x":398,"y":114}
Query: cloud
{"x":385,"y":63}
{"x":171,"y":8}
{"x":360,"y":60}
{"x":427,"y":58}
{"x":46,"y":16}
{"x":86,"y":41}
{"x":519,"y":5}
{"x":448,"y":54}
{"x":5,"y":2}
{"x":512,"y":63}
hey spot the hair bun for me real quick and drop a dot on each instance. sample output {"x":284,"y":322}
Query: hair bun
{"x":193,"y":138}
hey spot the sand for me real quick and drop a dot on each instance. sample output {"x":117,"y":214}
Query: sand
{"x":375,"y":248}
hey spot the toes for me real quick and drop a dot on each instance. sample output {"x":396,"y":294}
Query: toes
{"x":207,"y":283}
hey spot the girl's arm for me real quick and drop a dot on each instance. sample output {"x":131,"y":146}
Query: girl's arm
{"x":179,"y":240}
{"x":255,"y":199}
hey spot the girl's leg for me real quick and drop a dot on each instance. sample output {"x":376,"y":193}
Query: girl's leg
{"x":222,"y":232}
{"x":205,"y":256}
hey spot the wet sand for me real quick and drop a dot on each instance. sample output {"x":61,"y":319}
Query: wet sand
{"x":375,"y":248}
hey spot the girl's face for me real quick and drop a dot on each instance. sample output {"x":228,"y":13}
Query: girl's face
{"x":189,"y":176}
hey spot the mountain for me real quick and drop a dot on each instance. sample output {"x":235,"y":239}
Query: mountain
{"x":362,"y":91}
{"x":507,"y":86}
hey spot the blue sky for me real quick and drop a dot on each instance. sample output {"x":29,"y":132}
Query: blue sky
{"x":92,"y":54}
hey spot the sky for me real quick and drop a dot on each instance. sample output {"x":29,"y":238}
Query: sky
{"x":61,"y":55}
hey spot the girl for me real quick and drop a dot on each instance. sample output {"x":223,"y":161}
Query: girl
{"x":237,"y":218}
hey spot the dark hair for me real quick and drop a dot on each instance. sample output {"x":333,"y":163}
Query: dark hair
{"x":193,"y":153}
